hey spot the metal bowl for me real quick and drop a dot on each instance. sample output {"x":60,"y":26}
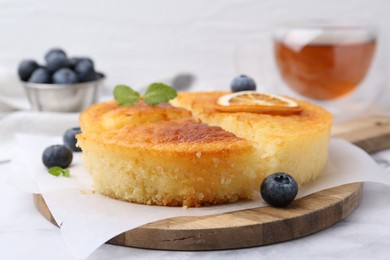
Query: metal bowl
{"x":62,"y":97}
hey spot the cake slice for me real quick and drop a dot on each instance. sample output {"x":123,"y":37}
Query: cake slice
{"x":296,"y":144}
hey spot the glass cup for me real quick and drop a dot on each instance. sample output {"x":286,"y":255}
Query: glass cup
{"x":333,"y":64}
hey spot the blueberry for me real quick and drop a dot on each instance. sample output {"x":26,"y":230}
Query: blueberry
{"x":57,"y":61}
{"x":75,"y":60}
{"x":72,"y":62}
{"x":279,"y":189}
{"x":57,"y":155}
{"x":26,"y":68}
{"x":70,"y":140}
{"x":40,"y":75}
{"x":89,"y":60}
{"x":54,"y":51}
{"x":64,"y":76}
{"x":242,"y":83}
{"x":85,"y":70}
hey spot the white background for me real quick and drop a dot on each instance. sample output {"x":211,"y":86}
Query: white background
{"x":137,"y":42}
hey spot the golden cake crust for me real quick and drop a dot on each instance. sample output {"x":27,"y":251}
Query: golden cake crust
{"x":311,"y":118}
{"x":109,"y":115}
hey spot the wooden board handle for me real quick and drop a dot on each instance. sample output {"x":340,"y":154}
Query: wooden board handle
{"x":372,"y":134}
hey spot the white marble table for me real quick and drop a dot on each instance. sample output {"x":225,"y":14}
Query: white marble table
{"x":25,"y":234}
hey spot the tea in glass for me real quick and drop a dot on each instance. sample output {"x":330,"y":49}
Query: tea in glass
{"x":324,"y":62}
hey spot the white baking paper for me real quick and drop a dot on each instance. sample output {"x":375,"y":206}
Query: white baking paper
{"x":32,"y":122}
{"x":88,"y":219}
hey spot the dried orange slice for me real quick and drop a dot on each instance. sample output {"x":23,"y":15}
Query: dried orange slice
{"x":257,"y":102}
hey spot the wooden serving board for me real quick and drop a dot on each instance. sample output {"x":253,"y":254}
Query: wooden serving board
{"x":263,"y":225}
{"x":245,"y":228}
{"x":372,"y":134}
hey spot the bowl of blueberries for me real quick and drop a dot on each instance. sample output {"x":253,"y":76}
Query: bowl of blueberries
{"x":62,"y":83}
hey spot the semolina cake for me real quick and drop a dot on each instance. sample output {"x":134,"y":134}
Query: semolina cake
{"x":191,"y":154}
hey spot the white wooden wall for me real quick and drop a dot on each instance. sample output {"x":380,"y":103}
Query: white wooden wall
{"x":137,"y":42}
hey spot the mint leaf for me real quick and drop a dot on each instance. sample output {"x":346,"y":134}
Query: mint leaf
{"x":57,"y":171}
{"x":126,"y":96}
{"x":159,"y":93}
{"x":66,"y":173}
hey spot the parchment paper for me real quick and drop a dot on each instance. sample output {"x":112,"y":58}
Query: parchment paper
{"x":88,"y":219}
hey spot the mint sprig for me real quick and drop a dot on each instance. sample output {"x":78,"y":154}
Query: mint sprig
{"x":126,"y":96}
{"x":57,"y":171}
{"x":159,"y":92}
{"x":155,"y":94}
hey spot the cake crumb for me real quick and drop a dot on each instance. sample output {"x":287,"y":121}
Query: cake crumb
{"x":87,"y":192}
{"x":198,"y":154}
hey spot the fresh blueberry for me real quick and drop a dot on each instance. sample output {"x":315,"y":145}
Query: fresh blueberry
{"x":54,"y":51}
{"x":279,"y":189}
{"x":64,"y":76}
{"x":70,"y":140}
{"x":57,"y":155}
{"x":85,"y":70}
{"x":242,"y":83}
{"x":57,"y":61}
{"x":86,"y":59}
{"x":73,"y":61}
{"x":26,"y":68}
{"x":40,"y":75}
